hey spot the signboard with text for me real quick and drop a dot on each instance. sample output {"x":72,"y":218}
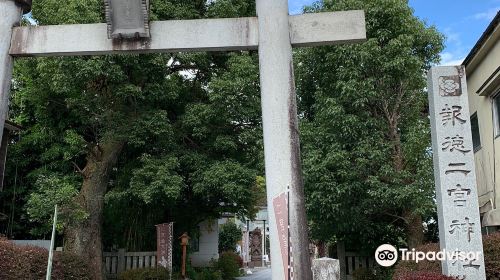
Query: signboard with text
{"x":164,"y":239}
{"x":280,"y":205}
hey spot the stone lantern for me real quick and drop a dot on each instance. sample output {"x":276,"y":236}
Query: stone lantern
{"x":184,"y":243}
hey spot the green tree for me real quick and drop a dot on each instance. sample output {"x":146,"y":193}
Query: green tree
{"x":229,"y":235}
{"x":365,"y":131}
{"x":177,"y":134}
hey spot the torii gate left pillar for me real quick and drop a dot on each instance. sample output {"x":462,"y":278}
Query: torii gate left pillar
{"x":10,"y":15}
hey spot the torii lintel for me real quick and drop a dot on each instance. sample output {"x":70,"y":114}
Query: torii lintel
{"x":228,"y":34}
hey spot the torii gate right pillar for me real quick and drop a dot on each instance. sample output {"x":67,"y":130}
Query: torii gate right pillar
{"x":281,"y":137}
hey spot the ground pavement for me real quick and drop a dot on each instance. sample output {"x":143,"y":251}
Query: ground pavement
{"x":264,"y":274}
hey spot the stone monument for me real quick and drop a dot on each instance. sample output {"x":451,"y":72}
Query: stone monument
{"x":326,"y":269}
{"x":454,"y":173}
{"x":255,"y":248}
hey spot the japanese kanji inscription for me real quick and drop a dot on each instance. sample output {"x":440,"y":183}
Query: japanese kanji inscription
{"x":455,"y":176}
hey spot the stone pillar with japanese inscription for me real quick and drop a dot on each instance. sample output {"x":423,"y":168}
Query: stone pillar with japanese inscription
{"x":454,"y":172}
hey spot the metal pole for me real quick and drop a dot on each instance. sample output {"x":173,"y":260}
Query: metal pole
{"x":263,"y":262}
{"x":10,"y":15}
{"x":248,"y":243}
{"x":281,"y":135}
{"x":264,"y":245}
{"x":51,"y":250}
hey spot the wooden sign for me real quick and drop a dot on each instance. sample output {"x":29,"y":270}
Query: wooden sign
{"x":280,"y":205}
{"x":164,"y":243}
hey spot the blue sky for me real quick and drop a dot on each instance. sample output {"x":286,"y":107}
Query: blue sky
{"x":462,"y":21}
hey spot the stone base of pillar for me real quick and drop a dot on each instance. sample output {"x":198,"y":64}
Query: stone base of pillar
{"x":326,"y":269}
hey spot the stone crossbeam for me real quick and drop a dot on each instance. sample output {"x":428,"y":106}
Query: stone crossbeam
{"x":186,"y":35}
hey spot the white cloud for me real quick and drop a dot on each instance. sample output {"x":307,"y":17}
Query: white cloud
{"x":456,"y":52}
{"x":448,"y":58}
{"x":452,"y":37}
{"x":487,"y":15}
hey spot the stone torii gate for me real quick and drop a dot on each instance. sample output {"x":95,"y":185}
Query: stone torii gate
{"x":273,"y":33}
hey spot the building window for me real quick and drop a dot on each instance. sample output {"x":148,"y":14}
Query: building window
{"x":476,"y":137}
{"x":496,"y":114}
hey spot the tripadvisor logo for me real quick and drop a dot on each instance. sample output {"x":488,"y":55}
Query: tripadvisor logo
{"x":387,"y":255}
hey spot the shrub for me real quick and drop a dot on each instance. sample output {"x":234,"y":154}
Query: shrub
{"x":11,"y":263}
{"x":36,"y":258}
{"x":229,"y":235}
{"x":157,"y":273}
{"x":228,"y":266}
{"x":491,"y":244}
{"x":239,"y":260}
{"x":363,"y":274}
{"x":71,"y":266}
{"x":425,"y":265}
{"x":208,"y":274}
{"x":30,"y":262}
{"x":423,"y":276}
{"x":191,"y":272}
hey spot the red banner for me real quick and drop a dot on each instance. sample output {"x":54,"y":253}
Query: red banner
{"x":164,"y":239}
{"x":281,"y":213}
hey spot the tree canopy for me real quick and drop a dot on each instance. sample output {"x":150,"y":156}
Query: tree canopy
{"x":132,"y":140}
{"x":365,"y":131}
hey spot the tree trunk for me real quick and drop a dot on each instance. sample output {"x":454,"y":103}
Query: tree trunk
{"x":414,"y":230}
{"x":414,"y":224}
{"x":84,"y":237}
{"x":322,"y":249}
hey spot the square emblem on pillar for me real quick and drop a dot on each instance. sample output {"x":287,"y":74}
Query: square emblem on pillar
{"x":127,"y":19}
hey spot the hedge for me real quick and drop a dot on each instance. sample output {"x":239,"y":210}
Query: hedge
{"x":491,"y":245}
{"x":30,"y":262}
{"x":157,"y":273}
{"x":228,"y":264}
